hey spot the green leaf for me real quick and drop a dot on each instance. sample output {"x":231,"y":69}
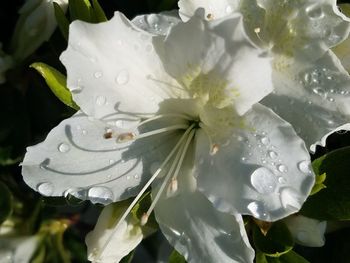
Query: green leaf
{"x":176,"y":257}
{"x":81,"y":10}
{"x":277,"y":241}
{"x":319,"y":180}
{"x":290,"y":257}
{"x":99,"y":14}
{"x":6,"y":202}
{"x":57,"y":82}
{"x":333,"y":202}
{"x":62,"y":21}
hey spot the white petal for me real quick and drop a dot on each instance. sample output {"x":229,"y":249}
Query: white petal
{"x":17,"y":249}
{"x":200,"y":232}
{"x":295,"y":26}
{"x":306,"y":231}
{"x":76,"y":159}
{"x":125,"y":238}
{"x":112,"y":68}
{"x":205,"y":56}
{"x":314,"y":97}
{"x":262,"y":170}
{"x":157,"y":24}
{"x":213,"y":10}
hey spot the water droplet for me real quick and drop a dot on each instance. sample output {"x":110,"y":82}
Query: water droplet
{"x":63,"y":148}
{"x":101,"y":100}
{"x":152,"y":19}
{"x":265,"y":140}
{"x":319,"y":91}
{"x":330,"y":99}
{"x":304,"y":167}
{"x":257,"y":210}
{"x":111,"y":161}
{"x":272,"y":154}
{"x":263,"y":180}
{"x":122,"y":77}
{"x":136,"y":176}
{"x":302,"y":236}
{"x":100,"y":194}
{"x":244,"y":159}
{"x":290,"y":199}
{"x":45,"y":189}
{"x":84,"y":132}
{"x":229,"y":9}
{"x":98,"y":74}
{"x":281,"y":180}
{"x":315,"y":12}
{"x":282,"y":168}
{"x":128,"y":177}
{"x":76,"y":193}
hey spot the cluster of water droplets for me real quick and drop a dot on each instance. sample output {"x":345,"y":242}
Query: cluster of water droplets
{"x":156,"y":24}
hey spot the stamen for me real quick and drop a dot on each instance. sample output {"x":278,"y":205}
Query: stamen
{"x":179,"y":163}
{"x":161,"y":116}
{"x":145,"y":187}
{"x":131,"y":136}
{"x":214,"y":149}
{"x":124,"y":137}
{"x":144,"y":219}
{"x":108,"y":135}
{"x":173,"y":185}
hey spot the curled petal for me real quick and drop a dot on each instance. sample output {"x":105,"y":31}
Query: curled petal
{"x":262,"y":169}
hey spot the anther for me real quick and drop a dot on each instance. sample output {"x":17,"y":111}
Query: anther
{"x":257,"y":30}
{"x":214,"y":149}
{"x":124,"y":137}
{"x":144,"y":219}
{"x":173,"y":186}
{"x":210,"y":16}
{"x":108,"y":134}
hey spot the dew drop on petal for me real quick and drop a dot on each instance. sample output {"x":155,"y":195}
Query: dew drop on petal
{"x":111,"y":161}
{"x":152,"y":19}
{"x":257,"y":210}
{"x":101,"y":100}
{"x":272,"y":154}
{"x":136,"y":176}
{"x":265,"y":140}
{"x":63,"y":148}
{"x":282,"y":168}
{"x":229,"y":9}
{"x":290,"y":199}
{"x":123,"y":77}
{"x":100,"y":194}
{"x":281,"y":180}
{"x":304,"y":167}
{"x":98,"y":74}
{"x":315,"y":12}
{"x":302,"y":236}
{"x":263,"y":180}
{"x":45,"y":189}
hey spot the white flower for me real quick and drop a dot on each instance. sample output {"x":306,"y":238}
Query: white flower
{"x":311,"y":87}
{"x":306,"y":231}
{"x":35,"y":25}
{"x":19,"y":249}
{"x":177,"y":112}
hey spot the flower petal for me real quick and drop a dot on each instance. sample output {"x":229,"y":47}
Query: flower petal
{"x":200,"y":232}
{"x":263,"y":170}
{"x":157,"y":24}
{"x":306,"y":231}
{"x":19,"y":249}
{"x":112,"y":68}
{"x":205,"y":56}
{"x":219,"y":9}
{"x":321,"y":89}
{"x":76,"y":159}
{"x":125,"y":238}
{"x":295,"y":26}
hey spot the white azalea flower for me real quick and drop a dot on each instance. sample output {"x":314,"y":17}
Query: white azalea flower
{"x":177,"y":112}
{"x":35,"y":25}
{"x":306,"y":231}
{"x":19,"y":249}
{"x":307,"y":76}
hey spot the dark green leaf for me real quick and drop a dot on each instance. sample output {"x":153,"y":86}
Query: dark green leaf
{"x":176,"y":257}
{"x":57,"y":83}
{"x":278,"y":240}
{"x":333,"y":202}
{"x":6,"y":202}
{"x":290,"y":257}
{"x":99,"y":14}
{"x":128,"y":258}
{"x":81,"y":10}
{"x":62,"y":21}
